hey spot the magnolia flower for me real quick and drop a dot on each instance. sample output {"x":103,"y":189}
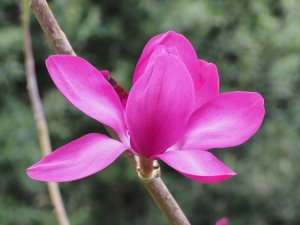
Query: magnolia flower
{"x":174,"y":113}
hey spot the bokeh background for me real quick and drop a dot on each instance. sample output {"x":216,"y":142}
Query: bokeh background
{"x":255,"y":45}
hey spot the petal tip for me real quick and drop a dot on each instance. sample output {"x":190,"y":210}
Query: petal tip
{"x":174,"y":35}
{"x":261,"y":99}
{"x":54,"y":57}
{"x":30,"y":173}
{"x":171,"y":32}
{"x":201,"y":166}
{"x":218,"y":179}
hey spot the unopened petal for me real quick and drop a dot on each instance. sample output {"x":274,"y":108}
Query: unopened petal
{"x":159,"y":104}
{"x":201,"y":166}
{"x":87,"y":89}
{"x":77,"y":159}
{"x":228,"y":120}
{"x":169,"y":39}
{"x":105,"y":74}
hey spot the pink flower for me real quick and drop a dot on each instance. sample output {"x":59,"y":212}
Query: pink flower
{"x":174,"y":112}
{"x":223,"y":221}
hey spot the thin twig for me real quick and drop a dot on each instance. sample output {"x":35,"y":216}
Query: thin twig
{"x":61,"y":45}
{"x":50,"y":27}
{"x":39,"y":117}
{"x":166,"y":202}
{"x":163,"y":198}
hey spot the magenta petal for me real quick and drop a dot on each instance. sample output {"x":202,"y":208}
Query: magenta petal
{"x":87,"y":89}
{"x":159,"y":104}
{"x":77,"y":159}
{"x":228,"y":120}
{"x":169,"y":39}
{"x":223,"y":221}
{"x":201,"y":166}
{"x":207,"y":86}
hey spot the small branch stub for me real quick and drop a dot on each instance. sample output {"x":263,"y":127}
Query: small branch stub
{"x":147,"y":169}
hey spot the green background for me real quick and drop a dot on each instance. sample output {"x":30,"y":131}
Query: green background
{"x":255,"y":45}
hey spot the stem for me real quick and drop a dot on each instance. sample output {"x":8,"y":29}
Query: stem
{"x":166,"y":202}
{"x":61,"y":45}
{"x":50,"y":27}
{"x":39,"y":117}
{"x":145,"y":167}
{"x":163,"y":198}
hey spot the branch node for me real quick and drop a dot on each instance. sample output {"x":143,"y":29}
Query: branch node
{"x":147,"y":170}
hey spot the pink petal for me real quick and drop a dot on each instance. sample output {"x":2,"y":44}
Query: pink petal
{"x":169,"y":39}
{"x":87,"y":89}
{"x":159,"y":104}
{"x":228,"y":120}
{"x":223,"y":221}
{"x":201,"y":166}
{"x":77,"y":159}
{"x":207,"y":87}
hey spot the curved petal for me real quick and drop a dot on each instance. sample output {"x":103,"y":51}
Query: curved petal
{"x":201,"y":166}
{"x":169,"y":39}
{"x":228,"y":120}
{"x":86,"y":88}
{"x":77,"y":159}
{"x":208,"y":86}
{"x":159,"y":104}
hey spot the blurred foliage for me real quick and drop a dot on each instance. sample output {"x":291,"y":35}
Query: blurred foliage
{"x":256,"y":46}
